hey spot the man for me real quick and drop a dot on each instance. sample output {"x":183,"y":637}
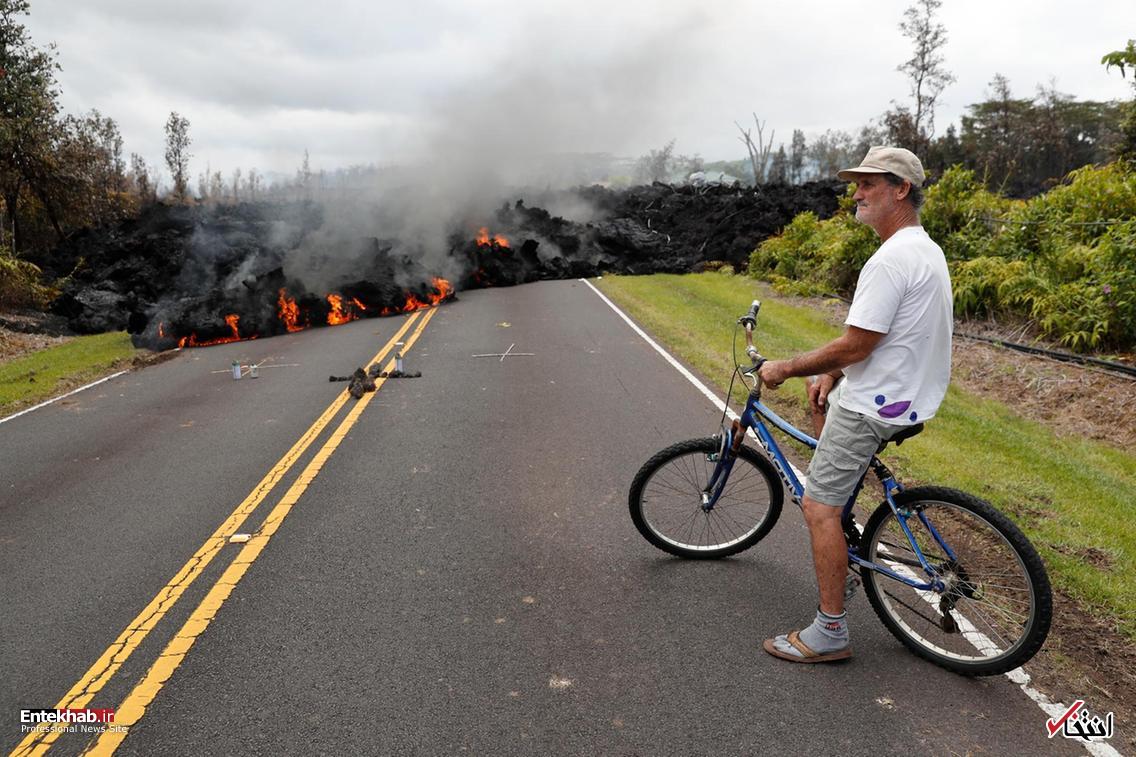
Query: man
{"x":894,"y":359}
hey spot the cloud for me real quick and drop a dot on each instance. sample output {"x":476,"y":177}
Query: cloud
{"x":362,"y":82}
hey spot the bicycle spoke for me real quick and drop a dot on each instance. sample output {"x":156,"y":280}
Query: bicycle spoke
{"x":989,"y":624}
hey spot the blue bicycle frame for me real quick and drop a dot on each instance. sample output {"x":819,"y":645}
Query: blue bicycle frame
{"x":752,"y":420}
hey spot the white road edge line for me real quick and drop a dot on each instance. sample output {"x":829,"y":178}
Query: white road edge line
{"x":1019,"y":676}
{"x":62,"y":396}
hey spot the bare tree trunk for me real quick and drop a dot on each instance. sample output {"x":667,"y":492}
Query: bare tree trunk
{"x":11,"y":203}
{"x":759,"y":151}
{"x":45,"y":200}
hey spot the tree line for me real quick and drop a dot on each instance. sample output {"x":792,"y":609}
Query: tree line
{"x":1017,"y":145}
{"x":62,"y":172}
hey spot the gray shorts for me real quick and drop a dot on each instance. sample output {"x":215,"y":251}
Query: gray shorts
{"x":847,"y":443}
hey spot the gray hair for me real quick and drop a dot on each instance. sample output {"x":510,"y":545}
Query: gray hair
{"x":914,"y":195}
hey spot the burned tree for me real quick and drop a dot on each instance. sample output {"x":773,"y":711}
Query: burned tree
{"x":759,"y":151}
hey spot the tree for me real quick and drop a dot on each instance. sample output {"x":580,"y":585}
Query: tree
{"x":833,"y":151}
{"x":872,"y":134}
{"x":798,"y":149}
{"x":28,"y":124}
{"x":236,"y":185}
{"x":945,"y":151}
{"x":925,"y":68}
{"x":1125,"y":59}
{"x":304,"y":177}
{"x":217,"y":186}
{"x":87,"y":182}
{"x":779,"y":168}
{"x":991,"y":133}
{"x":203,"y":186}
{"x":252,"y":184}
{"x":655,"y":165}
{"x":140,"y":178}
{"x":759,"y":151}
{"x":1021,"y":145}
{"x":177,"y":153}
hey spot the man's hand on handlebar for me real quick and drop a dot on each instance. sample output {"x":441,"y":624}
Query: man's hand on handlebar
{"x":774,"y":372}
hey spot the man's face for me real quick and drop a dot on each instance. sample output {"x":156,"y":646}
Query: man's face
{"x":875,"y":199}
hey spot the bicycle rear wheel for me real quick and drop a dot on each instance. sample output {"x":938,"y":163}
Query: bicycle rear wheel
{"x":666,"y":501}
{"x":996,"y":609}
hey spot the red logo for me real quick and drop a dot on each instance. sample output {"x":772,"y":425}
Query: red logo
{"x":1053,"y":726}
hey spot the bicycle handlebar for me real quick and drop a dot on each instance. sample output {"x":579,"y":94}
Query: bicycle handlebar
{"x":749,"y":321}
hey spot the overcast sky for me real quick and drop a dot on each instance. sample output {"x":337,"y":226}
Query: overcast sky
{"x":356,"y":81}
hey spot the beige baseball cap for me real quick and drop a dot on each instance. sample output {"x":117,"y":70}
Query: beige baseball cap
{"x":896,"y":160}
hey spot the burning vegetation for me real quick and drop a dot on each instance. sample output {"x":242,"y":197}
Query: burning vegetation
{"x":192,"y":277}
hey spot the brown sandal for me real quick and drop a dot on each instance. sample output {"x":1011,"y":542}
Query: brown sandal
{"x":807,"y":654}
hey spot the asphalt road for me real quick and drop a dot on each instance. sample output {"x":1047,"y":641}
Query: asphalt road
{"x":460,"y":576}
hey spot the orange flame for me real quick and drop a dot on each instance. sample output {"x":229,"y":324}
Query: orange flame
{"x":162,"y":329}
{"x":444,"y":289}
{"x":413,"y":303}
{"x":358,"y":304}
{"x":232,"y":320}
{"x":483,"y":238}
{"x":289,"y":312}
{"x":339,"y":314}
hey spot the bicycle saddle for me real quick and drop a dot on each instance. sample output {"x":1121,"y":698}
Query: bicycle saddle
{"x":899,"y":438}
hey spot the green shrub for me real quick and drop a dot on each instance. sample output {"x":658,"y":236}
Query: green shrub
{"x":1066,"y":259}
{"x":815,"y":257}
{"x":962,"y":215}
{"x":20,"y":285}
{"x":981,"y":286}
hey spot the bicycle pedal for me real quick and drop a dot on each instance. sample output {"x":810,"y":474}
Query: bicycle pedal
{"x":851,"y":584}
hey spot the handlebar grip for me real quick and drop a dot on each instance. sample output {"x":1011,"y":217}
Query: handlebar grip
{"x":750,"y":319}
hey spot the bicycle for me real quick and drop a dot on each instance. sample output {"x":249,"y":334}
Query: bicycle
{"x":951,"y":577}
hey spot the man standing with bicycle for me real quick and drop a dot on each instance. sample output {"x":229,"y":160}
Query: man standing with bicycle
{"x":893,"y":365}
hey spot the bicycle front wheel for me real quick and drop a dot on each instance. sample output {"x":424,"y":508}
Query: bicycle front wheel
{"x":666,"y":501}
{"x":995,"y":610}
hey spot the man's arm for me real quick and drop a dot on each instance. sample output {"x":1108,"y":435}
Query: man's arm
{"x":852,"y":346}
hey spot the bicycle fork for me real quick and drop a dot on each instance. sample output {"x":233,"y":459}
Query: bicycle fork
{"x":731,"y":441}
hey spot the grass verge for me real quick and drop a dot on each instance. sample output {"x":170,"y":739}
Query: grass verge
{"x":44,"y":374}
{"x":1073,"y":498}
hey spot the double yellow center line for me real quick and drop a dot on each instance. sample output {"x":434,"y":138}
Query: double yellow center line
{"x":134,"y":706}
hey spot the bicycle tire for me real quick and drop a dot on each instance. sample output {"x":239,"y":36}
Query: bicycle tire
{"x":998,"y":593}
{"x":748,"y":508}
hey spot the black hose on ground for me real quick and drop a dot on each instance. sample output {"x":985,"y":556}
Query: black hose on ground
{"x":1065,"y":357}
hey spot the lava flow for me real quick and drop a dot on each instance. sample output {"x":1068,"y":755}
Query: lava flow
{"x":339,"y":313}
{"x":289,"y":312}
{"x":232,"y":319}
{"x":443,"y":290}
{"x":483,"y":239}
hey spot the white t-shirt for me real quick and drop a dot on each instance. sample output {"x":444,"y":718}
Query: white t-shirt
{"x":904,"y":293}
